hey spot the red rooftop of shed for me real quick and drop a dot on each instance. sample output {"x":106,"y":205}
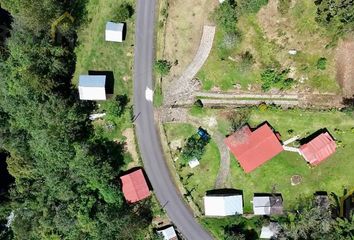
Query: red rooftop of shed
{"x":134,"y":186}
{"x":253,"y":148}
{"x":318,"y":149}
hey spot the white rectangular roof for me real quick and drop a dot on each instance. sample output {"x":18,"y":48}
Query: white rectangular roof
{"x":114,"y":32}
{"x":217,"y":205}
{"x":261,"y":205}
{"x":269,"y":231}
{"x":92,"y":87}
{"x":193,"y":163}
{"x":168,"y":233}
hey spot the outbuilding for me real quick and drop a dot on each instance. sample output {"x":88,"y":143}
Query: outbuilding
{"x":318,"y":149}
{"x":114,"y":32}
{"x":168,"y":233}
{"x":223,"y":204}
{"x":92,"y":87}
{"x":254,"y":148}
{"x":267,"y":205}
{"x":134,"y":186}
{"x":270,"y":231}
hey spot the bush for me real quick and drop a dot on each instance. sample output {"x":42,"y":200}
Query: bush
{"x":276,"y":78}
{"x":115,"y":107}
{"x":283,"y":6}
{"x":162,"y":67}
{"x":225,"y":16}
{"x":194,"y":148}
{"x":321,"y":63}
{"x":239,"y":118}
{"x":251,"y":6}
{"x":123,"y":12}
{"x":198,"y":103}
{"x":247,"y":61}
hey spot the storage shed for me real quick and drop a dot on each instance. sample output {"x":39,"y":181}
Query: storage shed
{"x":223,"y":205}
{"x":134,"y":186}
{"x":267,"y":205}
{"x":168,"y":233}
{"x":92,"y":87}
{"x":114,"y":32}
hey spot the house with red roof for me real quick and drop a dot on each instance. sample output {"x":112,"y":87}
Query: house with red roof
{"x":318,"y":149}
{"x":253,"y":148}
{"x":134,"y":186}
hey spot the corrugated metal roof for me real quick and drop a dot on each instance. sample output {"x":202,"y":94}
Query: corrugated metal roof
{"x":252,"y":149}
{"x":318,"y":149}
{"x":134,"y":186}
{"x":92,"y":87}
{"x":223,"y":205}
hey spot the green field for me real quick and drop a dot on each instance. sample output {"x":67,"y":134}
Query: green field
{"x":201,"y":178}
{"x":268,"y":42}
{"x":95,"y":54}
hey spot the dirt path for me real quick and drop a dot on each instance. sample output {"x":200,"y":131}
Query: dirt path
{"x":184,"y":86}
{"x":345,"y":66}
{"x":181,"y":115}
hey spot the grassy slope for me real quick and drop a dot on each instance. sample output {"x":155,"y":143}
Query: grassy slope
{"x":94,"y":53}
{"x":204,"y":175}
{"x":330,"y":175}
{"x":225,"y":73}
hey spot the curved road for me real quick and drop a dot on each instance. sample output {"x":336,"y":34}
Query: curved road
{"x":148,"y":139}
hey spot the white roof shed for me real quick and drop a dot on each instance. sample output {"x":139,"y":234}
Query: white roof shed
{"x":269,"y":231}
{"x":92,"y":87}
{"x":114,"y":32}
{"x":219,"y":205}
{"x":168,"y":233}
{"x":261,"y":205}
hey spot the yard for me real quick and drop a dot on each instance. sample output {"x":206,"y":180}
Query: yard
{"x":201,"y":178}
{"x":332,"y":175}
{"x":266,"y":37}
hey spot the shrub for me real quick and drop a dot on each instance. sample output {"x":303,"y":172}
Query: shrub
{"x":321,"y":63}
{"x":123,"y":12}
{"x":275,"y":78}
{"x":198,"y":103}
{"x":283,"y":6}
{"x":247,"y":61}
{"x":251,"y":6}
{"x":194,"y":148}
{"x":162,"y":67}
{"x":239,"y":118}
{"x":115,"y":107}
{"x":226,"y":16}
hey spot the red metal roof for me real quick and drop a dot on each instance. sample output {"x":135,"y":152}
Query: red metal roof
{"x":318,"y":149}
{"x":135,"y":187}
{"x":252,"y":149}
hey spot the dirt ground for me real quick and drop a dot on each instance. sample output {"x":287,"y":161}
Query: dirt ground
{"x":131,"y":147}
{"x":184,"y":30}
{"x":345,"y":66}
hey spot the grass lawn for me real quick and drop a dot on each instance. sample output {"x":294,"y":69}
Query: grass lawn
{"x":331,"y":175}
{"x":95,"y":54}
{"x":201,"y":178}
{"x":268,"y":40}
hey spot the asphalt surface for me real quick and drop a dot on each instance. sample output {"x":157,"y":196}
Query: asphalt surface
{"x":148,"y":138}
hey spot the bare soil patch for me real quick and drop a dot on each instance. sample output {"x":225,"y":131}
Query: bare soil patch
{"x":345,"y":66}
{"x":183,"y":31}
{"x":131,"y":146}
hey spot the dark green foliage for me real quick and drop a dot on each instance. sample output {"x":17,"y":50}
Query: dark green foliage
{"x":198,"y":103}
{"x":321,"y":63}
{"x":193,"y":148}
{"x":283,"y":6}
{"x":66,"y":183}
{"x":226,"y":16}
{"x":337,"y":15}
{"x":250,"y":6}
{"x":115,"y":107}
{"x":247,"y":61}
{"x":275,"y":78}
{"x":123,"y":12}
{"x":162,"y":67}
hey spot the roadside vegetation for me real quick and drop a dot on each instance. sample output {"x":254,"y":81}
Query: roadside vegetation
{"x":296,"y":41}
{"x":66,"y":171}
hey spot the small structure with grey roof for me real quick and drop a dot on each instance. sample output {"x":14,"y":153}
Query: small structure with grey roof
{"x":168,"y":233}
{"x":114,"y":32}
{"x":270,"y":231}
{"x":92,"y":87}
{"x":227,"y":204}
{"x":267,"y":205}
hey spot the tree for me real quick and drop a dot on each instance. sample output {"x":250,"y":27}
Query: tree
{"x":162,"y":67}
{"x":225,"y":16}
{"x":193,"y":148}
{"x":123,"y":12}
{"x":275,"y":78}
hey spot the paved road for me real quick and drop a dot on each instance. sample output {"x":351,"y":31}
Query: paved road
{"x":148,"y":139}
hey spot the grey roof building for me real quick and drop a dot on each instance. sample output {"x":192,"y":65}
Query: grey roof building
{"x":267,"y":205}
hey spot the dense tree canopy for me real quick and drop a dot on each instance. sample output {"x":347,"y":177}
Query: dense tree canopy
{"x":66,"y":176}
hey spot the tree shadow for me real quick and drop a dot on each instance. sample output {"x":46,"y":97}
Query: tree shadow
{"x":241,"y":228}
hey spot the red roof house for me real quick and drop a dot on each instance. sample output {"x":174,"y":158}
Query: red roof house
{"x":253,"y":148}
{"x":318,"y":149}
{"x":134,"y":186}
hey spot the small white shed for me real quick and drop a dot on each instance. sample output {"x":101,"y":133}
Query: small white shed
{"x":269,"y":231}
{"x":114,"y":32}
{"x":168,"y":233}
{"x":218,"y":205}
{"x":92,"y":87}
{"x":193,"y":163}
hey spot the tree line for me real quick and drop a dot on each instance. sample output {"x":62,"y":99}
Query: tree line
{"x":66,"y":176}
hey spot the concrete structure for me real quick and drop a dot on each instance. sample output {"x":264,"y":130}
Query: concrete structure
{"x":269,"y":231}
{"x":223,"y":205}
{"x":114,"y":32}
{"x":267,"y":205}
{"x":168,"y":233}
{"x":92,"y":87}
{"x":253,"y":148}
